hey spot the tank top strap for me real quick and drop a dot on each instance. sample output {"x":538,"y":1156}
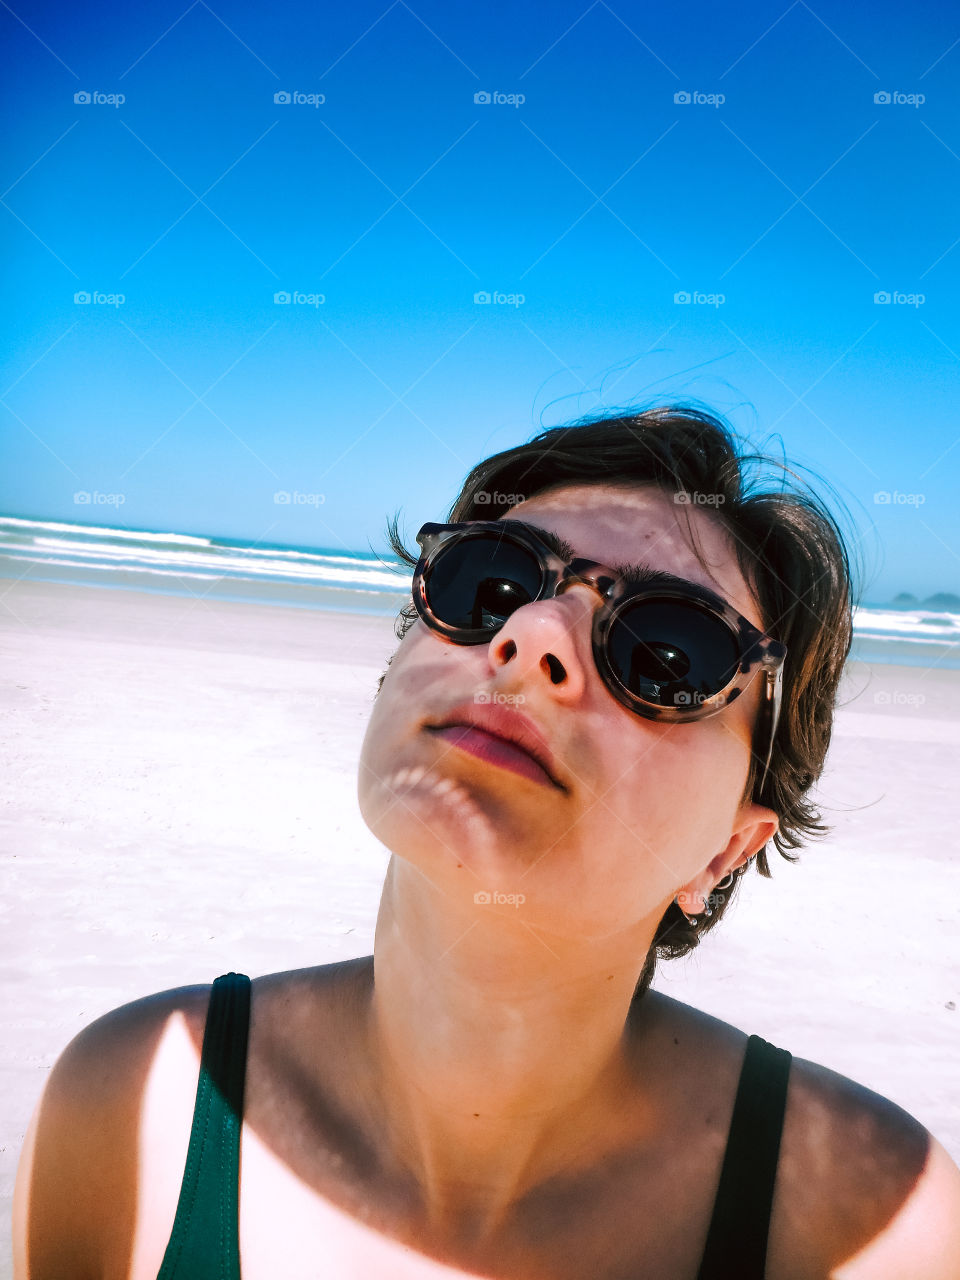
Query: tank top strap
{"x":737,"y":1238}
{"x":204,"y":1243}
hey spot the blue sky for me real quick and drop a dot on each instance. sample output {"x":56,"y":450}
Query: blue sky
{"x":796,"y":198}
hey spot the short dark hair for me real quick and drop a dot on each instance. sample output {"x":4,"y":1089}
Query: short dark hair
{"x":790,"y":550}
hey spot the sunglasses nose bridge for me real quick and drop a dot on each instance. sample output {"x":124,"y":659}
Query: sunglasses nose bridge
{"x":584,"y":574}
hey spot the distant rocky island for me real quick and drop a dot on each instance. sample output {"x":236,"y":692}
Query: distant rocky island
{"x":945,"y":601}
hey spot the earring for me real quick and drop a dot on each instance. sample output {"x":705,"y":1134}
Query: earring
{"x":689,"y":919}
{"x":725,"y":883}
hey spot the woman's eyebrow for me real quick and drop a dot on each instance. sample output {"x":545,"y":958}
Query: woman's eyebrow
{"x":559,"y":546}
{"x":633,"y":574}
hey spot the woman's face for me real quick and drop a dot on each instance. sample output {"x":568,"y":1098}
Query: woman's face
{"x":645,"y":805}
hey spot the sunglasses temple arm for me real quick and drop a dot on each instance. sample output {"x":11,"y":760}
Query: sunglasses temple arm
{"x":770,"y":714}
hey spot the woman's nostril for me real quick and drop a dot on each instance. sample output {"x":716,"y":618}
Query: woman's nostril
{"x":509,"y":649}
{"x":555,"y":667}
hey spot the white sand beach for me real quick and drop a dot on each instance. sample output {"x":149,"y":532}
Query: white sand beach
{"x":179,"y":801}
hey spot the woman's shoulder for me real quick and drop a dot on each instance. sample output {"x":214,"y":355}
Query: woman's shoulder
{"x":80,"y":1147}
{"x":820,"y":1096}
{"x":830,"y":1120}
{"x":79,"y":1164}
{"x":863,"y":1190}
{"x":111,"y":1053}
{"x":112,"y":1045}
{"x":882,"y":1190}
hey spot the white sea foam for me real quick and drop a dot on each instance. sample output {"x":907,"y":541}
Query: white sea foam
{"x":921,"y":624}
{"x":134,"y":534}
{"x":227,"y":562}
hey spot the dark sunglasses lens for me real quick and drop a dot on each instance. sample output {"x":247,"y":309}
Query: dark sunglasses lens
{"x":477,"y":582}
{"x":671,"y":653}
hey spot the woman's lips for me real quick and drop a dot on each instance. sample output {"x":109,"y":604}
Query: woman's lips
{"x":487,"y":746}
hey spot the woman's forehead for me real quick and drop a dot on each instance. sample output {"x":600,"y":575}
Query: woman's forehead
{"x":643,"y":525}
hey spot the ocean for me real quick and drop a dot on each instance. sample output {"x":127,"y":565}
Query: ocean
{"x":344,"y":581}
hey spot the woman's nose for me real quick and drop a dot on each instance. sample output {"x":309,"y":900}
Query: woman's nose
{"x":546,"y":639}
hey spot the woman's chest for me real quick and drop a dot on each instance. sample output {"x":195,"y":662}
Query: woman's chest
{"x":304,"y":1213}
{"x":619,"y":1222}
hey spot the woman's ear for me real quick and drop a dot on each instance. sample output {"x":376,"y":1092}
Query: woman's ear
{"x":756,"y":827}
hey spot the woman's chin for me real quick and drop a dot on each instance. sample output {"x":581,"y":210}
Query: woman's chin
{"x":416,"y":810}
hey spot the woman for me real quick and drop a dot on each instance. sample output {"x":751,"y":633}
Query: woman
{"x":614,"y":689}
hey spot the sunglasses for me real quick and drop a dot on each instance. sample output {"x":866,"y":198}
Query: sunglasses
{"x":666,"y":649}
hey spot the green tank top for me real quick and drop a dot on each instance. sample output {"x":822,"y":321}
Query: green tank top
{"x":205,"y":1243}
